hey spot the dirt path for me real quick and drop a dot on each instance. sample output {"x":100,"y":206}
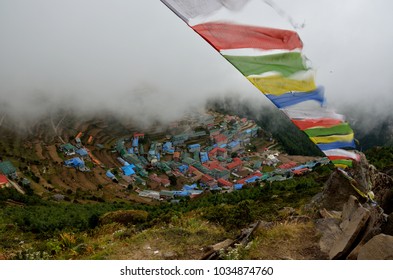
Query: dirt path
{"x":53,"y":154}
{"x":287,"y":241}
{"x":84,"y":182}
{"x":299,"y":159}
{"x":17,"y":187}
{"x":38,"y":151}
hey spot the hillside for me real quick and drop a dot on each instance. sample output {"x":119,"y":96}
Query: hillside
{"x":54,"y":211}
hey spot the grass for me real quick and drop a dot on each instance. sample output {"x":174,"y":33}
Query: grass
{"x":183,"y":238}
{"x":285,"y":241}
{"x":182,"y":231}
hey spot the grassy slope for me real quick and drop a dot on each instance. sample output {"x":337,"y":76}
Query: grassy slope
{"x":183,"y":231}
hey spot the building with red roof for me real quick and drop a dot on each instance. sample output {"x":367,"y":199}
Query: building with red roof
{"x":220,"y":139}
{"x":197,"y":175}
{"x":211,"y":165}
{"x":245,"y":179}
{"x":139,"y":135}
{"x":224,"y":183}
{"x":288,"y":165}
{"x":208,"y":180}
{"x":218,"y":152}
{"x":176,"y":156}
{"x":300,"y":171}
{"x":3,"y":181}
{"x":162,"y":181}
{"x":235,"y":165}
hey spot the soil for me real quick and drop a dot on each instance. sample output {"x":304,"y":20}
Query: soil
{"x":38,"y":150}
{"x":299,"y":159}
{"x":53,"y":154}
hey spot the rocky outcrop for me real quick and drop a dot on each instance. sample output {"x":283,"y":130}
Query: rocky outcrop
{"x":355,"y":218}
{"x":387,"y":228}
{"x":380,"y":183}
{"x":330,"y":231}
{"x":380,"y":247}
{"x":367,"y":178}
{"x":345,"y":236}
{"x":336,"y":192}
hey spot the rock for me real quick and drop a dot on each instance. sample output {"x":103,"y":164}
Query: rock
{"x":380,"y":247}
{"x":388,"y":227}
{"x":336,"y":192}
{"x":376,"y":221}
{"x":299,"y":219}
{"x":222,"y":245}
{"x":380,"y":182}
{"x":386,"y":200}
{"x":348,"y":209}
{"x":286,"y":212}
{"x":357,"y":217}
{"x":170,"y":255}
{"x":338,"y":188}
{"x":329,"y":214}
{"x":58,"y":197}
{"x":263,"y":225}
{"x":330,"y":230}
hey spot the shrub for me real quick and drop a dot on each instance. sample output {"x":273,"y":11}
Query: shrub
{"x":124,"y":217}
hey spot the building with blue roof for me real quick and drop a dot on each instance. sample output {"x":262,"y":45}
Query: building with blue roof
{"x":135,"y":142}
{"x":128,"y":170}
{"x":204,"y":157}
{"x":194,"y":148}
{"x":109,"y":174}
{"x":190,"y":187}
{"x":234,"y":146}
{"x":82,"y":152}
{"x":181,"y":193}
{"x":252,"y":179}
{"x":168,"y":148}
{"x":75,"y":162}
{"x":183,"y":168}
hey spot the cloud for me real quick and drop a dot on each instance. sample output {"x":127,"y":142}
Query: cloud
{"x":137,"y":58}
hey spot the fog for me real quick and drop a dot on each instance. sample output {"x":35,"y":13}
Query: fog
{"x":138,"y":59}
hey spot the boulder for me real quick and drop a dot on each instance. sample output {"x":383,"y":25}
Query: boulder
{"x":330,"y":230}
{"x":380,"y":183}
{"x":222,"y":245}
{"x":303,"y":219}
{"x":376,"y":221}
{"x":388,"y":226}
{"x":355,"y":218}
{"x":386,"y":200}
{"x":350,"y":207}
{"x":330,"y":214}
{"x":380,"y":247}
{"x":170,"y":255}
{"x":336,"y":192}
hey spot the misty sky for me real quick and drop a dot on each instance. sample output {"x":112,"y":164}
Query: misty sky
{"x":138,"y":58}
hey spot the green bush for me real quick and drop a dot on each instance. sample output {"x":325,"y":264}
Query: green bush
{"x":124,"y":217}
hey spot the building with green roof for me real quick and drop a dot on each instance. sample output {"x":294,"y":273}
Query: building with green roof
{"x":7,"y":168}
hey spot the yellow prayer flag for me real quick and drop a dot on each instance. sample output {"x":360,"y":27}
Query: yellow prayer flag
{"x":278,"y":85}
{"x":332,"y":138}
